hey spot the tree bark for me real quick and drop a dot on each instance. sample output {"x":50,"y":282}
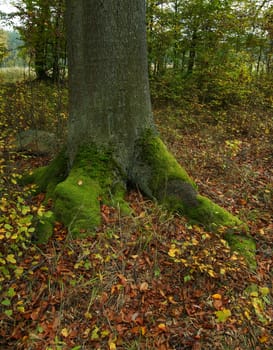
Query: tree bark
{"x":109,"y":87}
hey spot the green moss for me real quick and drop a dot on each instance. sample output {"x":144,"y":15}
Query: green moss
{"x":44,"y":228}
{"x":211,"y":215}
{"x":77,"y":198}
{"x":159,"y":175}
{"x":164,"y":166}
{"x":76,"y":202}
{"x":117,"y":196}
{"x":245,"y":246}
{"x":93,"y":178}
{"x":172,"y":186}
{"x":47,"y":178}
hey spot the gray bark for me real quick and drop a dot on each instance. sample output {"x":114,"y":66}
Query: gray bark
{"x":108,"y":76}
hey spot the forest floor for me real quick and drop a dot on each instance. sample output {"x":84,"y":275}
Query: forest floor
{"x":151,"y":280}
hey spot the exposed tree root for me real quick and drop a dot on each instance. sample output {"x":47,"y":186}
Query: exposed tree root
{"x":95,"y":178}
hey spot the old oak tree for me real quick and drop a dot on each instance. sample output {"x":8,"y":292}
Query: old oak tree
{"x":112,"y":140}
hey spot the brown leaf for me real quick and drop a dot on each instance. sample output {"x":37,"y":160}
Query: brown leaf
{"x":218,"y":304}
{"x":144,"y":287}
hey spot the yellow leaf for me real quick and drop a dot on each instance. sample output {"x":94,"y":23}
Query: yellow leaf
{"x":41,"y":211}
{"x":112,"y":346}
{"x":10,"y":258}
{"x":247,"y":315}
{"x":95,"y":335}
{"x":18,"y":272}
{"x":105,"y":333}
{"x":65,"y":332}
{"x":194,"y":241}
{"x":112,"y":343}
{"x":234,"y":257}
{"x":173,"y":251}
{"x":263,"y":339}
{"x":86,"y":332}
{"x":88,"y":315}
{"x":143,"y":330}
{"x":264,"y":291}
{"x":171,"y":300}
{"x":21,"y":308}
{"x":211,"y":273}
{"x":223,"y":315}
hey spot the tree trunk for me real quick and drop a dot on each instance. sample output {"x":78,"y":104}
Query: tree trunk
{"x":109,"y":88}
{"x":192,"y":53}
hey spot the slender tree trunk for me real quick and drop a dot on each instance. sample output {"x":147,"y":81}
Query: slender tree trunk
{"x":192,"y":53}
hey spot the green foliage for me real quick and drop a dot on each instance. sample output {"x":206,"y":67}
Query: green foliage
{"x":13,"y":57}
{"x":42,"y":31}
{"x":24,"y":106}
{"x":16,"y":227}
{"x":212,"y":51}
{"x":3,"y":45}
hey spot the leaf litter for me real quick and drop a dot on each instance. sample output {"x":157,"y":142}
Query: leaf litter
{"x":151,"y":280}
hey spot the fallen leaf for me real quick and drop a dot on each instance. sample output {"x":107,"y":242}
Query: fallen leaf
{"x":217,"y":296}
{"x":162,"y":327}
{"x":144,"y":286}
{"x":65,"y":332}
{"x":223,"y":315}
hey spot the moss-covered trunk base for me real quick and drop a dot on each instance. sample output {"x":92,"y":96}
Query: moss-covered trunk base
{"x":96,"y":178}
{"x":78,"y":194}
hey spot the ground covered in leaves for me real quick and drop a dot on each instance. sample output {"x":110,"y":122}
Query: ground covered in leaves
{"x":151,"y":280}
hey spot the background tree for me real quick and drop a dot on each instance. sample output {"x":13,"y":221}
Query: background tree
{"x":43,"y":34}
{"x":15,"y":54}
{"x":210,"y":49}
{"x":3,"y":45}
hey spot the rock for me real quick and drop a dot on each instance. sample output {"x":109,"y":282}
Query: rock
{"x":36,"y":141}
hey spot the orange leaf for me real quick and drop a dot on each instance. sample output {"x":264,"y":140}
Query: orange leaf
{"x":217,"y":296}
{"x":162,"y":327}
